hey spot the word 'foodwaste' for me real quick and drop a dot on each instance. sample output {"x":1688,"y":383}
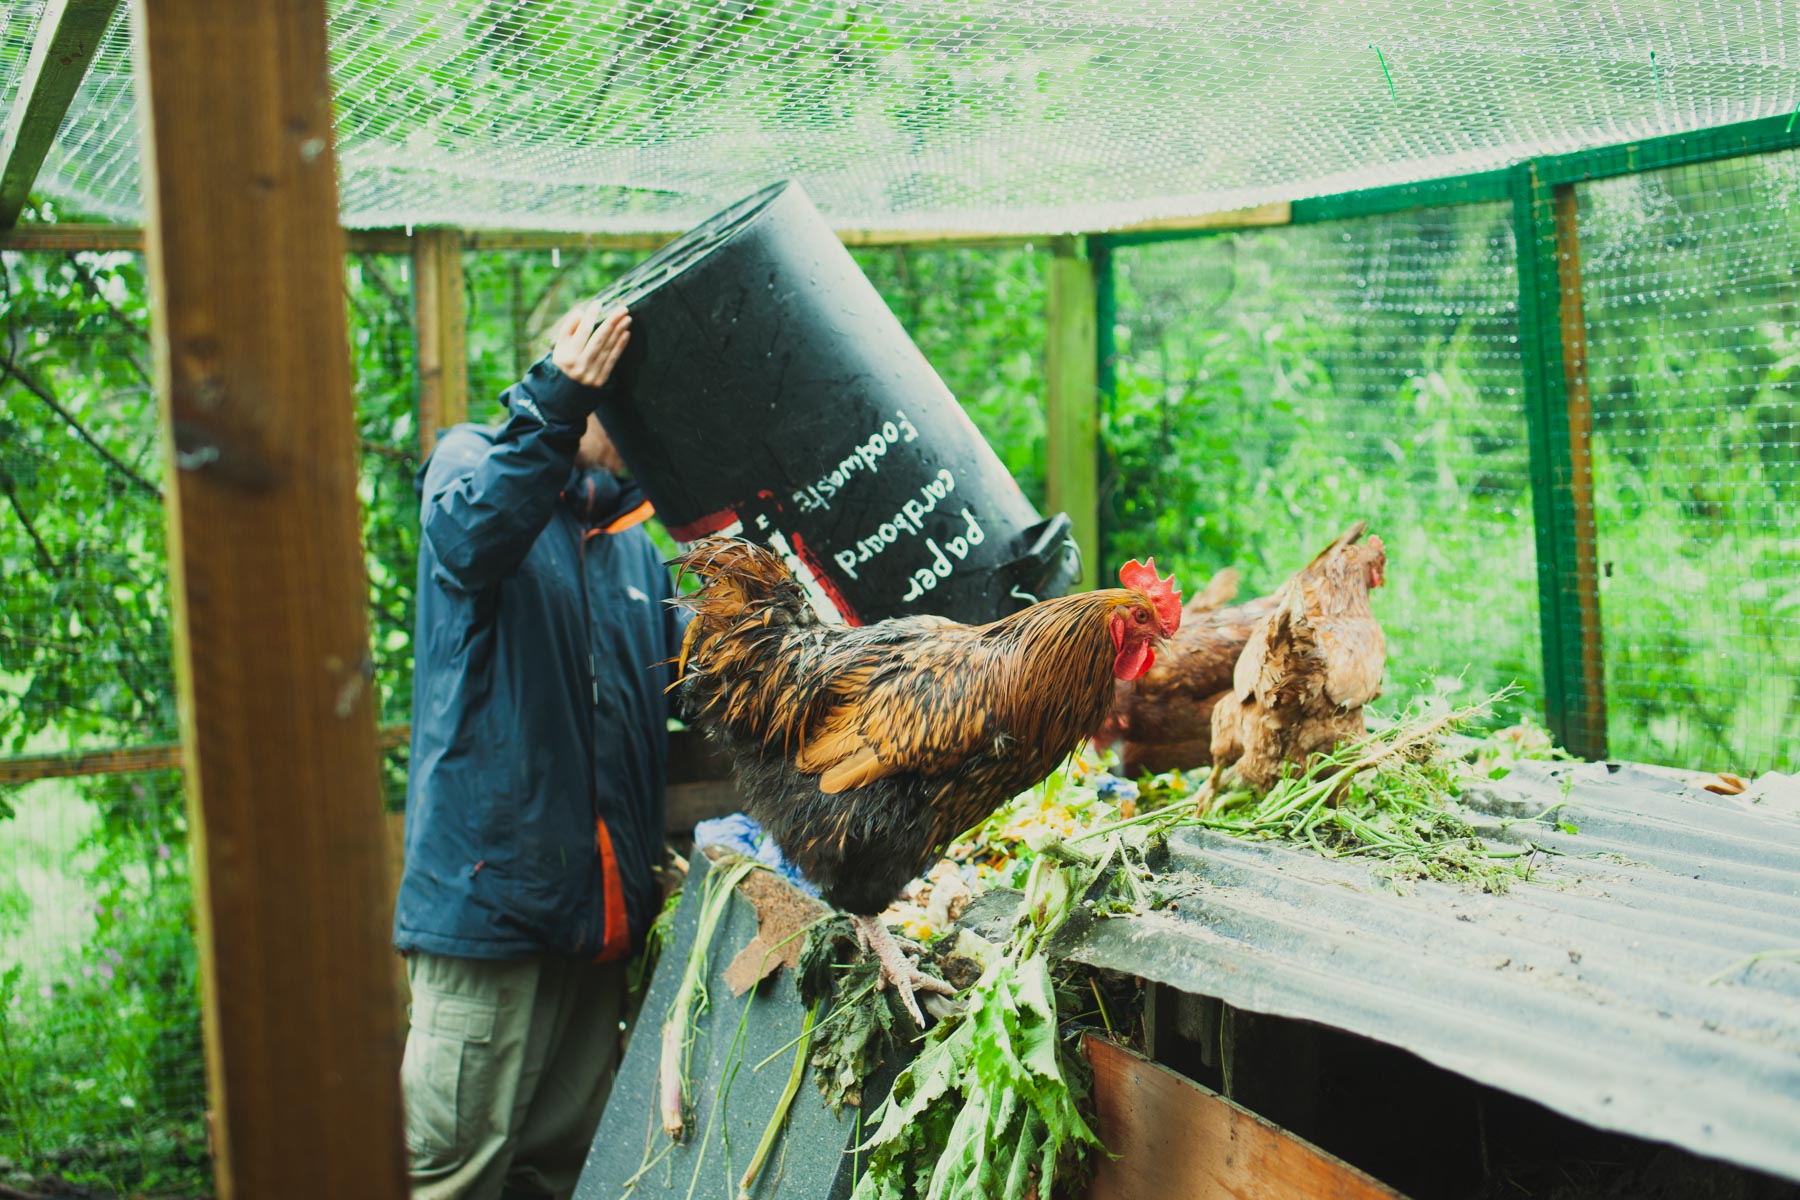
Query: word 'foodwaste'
{"x":865,"y":457}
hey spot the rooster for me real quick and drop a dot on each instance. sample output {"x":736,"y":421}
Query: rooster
{"x":1307,"y":670}
{"x":864,"y":751}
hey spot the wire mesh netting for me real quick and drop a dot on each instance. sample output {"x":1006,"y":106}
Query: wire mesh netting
{"x":1274,"y":386}
{"x":101,"y":1072}
{"x":1693,"y":336}
{"x":978,"y":318}
{"x":86,"y":636}
{"x":514,"y":302}
{"x":1000,"y":114}
{"x":976,"y":315}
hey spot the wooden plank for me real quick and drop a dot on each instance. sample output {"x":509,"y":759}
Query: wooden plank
{"x":1279,"y":212}
{"x":441,"y":328}
{"x":68,"y":36}
{"x":1168,"y":1136}
{"x":694,"y":759}
{"x":86,"y":236}
{"x":124,"y":760}
{"x":544,"y":241}
{"x":379,"y":241}
{"x":117,"y":760}
{"x":688,"y":804}
{"x":71,"y":236}
{"x":1581,"y":470}
{"x":395,"y":824}
{"x":269,"y":595}
{"x":1072,"y":403}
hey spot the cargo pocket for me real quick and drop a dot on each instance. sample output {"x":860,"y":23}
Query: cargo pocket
{"x":441,"y":1079}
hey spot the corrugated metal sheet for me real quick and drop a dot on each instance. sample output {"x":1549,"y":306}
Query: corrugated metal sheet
{"x":1585,"y":990}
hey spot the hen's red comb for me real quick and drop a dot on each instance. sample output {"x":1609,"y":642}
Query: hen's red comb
{"x":1163,"y":593}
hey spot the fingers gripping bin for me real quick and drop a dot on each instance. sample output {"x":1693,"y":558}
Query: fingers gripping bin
{"x":768,"y":391}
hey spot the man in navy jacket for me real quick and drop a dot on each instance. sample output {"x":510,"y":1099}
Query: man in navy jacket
{"x":534,"y":808}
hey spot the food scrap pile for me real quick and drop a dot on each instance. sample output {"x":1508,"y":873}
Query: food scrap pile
{"x":999,"y":851}
{"x":1390,"y":797}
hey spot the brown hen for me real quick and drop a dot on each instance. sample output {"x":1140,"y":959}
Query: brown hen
{"x":864,"y":751}
{"x":1308,"y":668}
{"x":1163,"y":721}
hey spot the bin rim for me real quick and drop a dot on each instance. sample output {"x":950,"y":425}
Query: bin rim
{"x":693,"y":247}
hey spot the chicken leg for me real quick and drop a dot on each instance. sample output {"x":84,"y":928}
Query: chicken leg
{"x":1209,"y":791}
{"x":896,"y":968}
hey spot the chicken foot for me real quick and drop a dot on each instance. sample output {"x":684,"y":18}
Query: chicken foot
{"x":1209,"y":791}
{"x":896,"y":967}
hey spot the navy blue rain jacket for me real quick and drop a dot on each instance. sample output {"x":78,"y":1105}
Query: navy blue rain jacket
{"x":534,"y":806}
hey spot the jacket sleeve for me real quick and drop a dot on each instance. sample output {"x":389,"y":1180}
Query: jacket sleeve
{"x":485,"y":504}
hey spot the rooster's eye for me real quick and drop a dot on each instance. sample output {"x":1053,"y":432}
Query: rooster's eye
{"x":1141,"y":618}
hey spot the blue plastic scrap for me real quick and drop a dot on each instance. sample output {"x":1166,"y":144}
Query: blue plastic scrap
{"x":740,"y":834}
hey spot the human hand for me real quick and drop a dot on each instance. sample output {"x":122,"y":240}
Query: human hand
{"x":588,"y":346}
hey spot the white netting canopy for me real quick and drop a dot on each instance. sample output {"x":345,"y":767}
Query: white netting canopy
{"x":992,"y":115}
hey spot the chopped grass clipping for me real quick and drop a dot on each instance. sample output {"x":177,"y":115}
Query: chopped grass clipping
{"x":1389,"y":798}
{"x":677,"y":1039}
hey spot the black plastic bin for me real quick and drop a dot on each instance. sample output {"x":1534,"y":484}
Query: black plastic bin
{"x":768,"y":391}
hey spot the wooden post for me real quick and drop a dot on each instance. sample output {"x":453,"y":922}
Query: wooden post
{"x":68,"y":36}
{"x":267,"y":580}
{"x":442,"y":330}
{"x":1558,"y":426}
{"x":1072,"y":407}
{"x":1573,"y":319}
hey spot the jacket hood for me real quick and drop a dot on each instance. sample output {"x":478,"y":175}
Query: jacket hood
{"x":600,"y":498}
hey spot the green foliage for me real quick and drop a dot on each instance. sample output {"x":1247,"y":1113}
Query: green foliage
{"x":86,"y":632}
{"x":102,"y":1015}
{"x":978,"y":318}
{"x":103,"y":1076}
{"x":866,"y":1024}
{"x":1389,"y":798}
{"x":1695,"y":381}
{"x":985,"y":1110}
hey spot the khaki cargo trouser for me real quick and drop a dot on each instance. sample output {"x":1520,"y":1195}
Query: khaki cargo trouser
{"x":507,"y":1068}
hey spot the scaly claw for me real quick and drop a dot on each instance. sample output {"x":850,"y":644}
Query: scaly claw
{"x":896,"y":967}
{"x":1209,"y":791}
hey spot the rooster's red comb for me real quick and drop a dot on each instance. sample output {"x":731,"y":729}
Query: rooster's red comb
{"x":1163,"y":593}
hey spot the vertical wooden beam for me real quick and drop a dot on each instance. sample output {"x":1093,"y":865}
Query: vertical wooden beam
{"x":1072,"y":416}
{"x":442,"y":330}
{"x":267,"y":578}
{"x":1574,"y":696}
{"x":1580,"y":407}
{"x":68,"y":37}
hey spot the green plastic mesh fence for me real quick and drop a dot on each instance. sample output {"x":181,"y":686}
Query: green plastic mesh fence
{"x":988,"y":114}
{"x":101,"y":1074}
{"x":1273,"y":386}
{"x":1693,"y":333}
